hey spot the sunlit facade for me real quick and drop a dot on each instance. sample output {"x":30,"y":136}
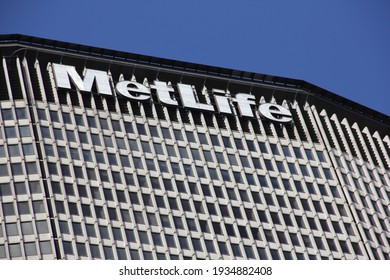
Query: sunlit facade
{"x":85,"y":174}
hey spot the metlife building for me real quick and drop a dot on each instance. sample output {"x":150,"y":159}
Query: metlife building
{"x":112,"y":155}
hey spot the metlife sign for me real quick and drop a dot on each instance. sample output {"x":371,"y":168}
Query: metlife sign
{"x":66,"y":75}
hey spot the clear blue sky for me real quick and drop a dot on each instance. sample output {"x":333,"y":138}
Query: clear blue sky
{"x":340,"y":45}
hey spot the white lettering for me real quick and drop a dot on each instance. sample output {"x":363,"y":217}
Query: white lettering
{"x":188,"y":98}
{"x":244,"y":102}
{"x":163,"y":93}
{"x":62,"y":73}
{"x":222,"y":101}
{"x":275,"y":112}
{"x":65,"y":76}
{"x":133,"y":90}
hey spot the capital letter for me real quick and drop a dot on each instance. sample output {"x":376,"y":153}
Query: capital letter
{"x":62,"y":73}
{"x":222,"y":101}
{"x":188,"y":98}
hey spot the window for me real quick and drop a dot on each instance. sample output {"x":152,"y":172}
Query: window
{"x":28,"y":149}
{"x":14,"y":250}
{"x":27,"y":228}
{"x":81,"y":250}
{"x":30,"y":249}
{"x":210,"y":246}
{"x":45,"y":247}
{"x":5,"y":189}
{"x":108,"y":253}
{"x":184,"y":243}
{"x":8,"y":209}
{"x":12,"y":229}
{"x":17,"y":169}
{"x":117,"y":234}
{"x":39,"y":207}
{"x":7,"y":114}
{"x":170,"y":241}
{"x":24,"y":208}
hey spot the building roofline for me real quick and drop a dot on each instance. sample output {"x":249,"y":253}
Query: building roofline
{"x":164,"y":63}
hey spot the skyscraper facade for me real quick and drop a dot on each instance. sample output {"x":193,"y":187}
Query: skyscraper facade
{"x":112,"y":155}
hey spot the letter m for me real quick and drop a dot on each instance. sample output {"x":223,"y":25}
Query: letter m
{"x":63,"y":74}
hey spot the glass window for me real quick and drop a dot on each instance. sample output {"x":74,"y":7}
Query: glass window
{"x":3,"y":170}
{"x":141,"y":129}
{"x":52,"y":168}
{"x":307,"y":241}
{"x":153,"y":131}
{"x":24,"y":208}
{"x":268,"y":164}
{"x":112,"y":214}
{"x":74,"y":153}
{"x":67,"y":118}
{"x":104,"y":232}
{"x":298,"y":152}
{"x":99,"y":212}
{"x":30,"y":249}
{"x":68,"y":249}
{"x":116,"y":125}
{"x":45,"y":132}
{"x":12,"y":229}
{"x":223,"y":248}
{"x":210,"y":246}
{"x":21,"y":113}
{"x":96,"y":140}
{"x":274,"y":149}
{"x":332,"y":245}
{"x":17,"y":169}
{"x":79,"y":120}
{"x":28,"y":149}
{"x":230,"y":230}
{"x":2,"y":152}
{"x":120,"y":143}
{"x":184,"y":243}
{"x":139,"y":218}
{"x":292,"y":168}
{"x":7,"y":114}
{"x":309,"y":154}
{"x":81,"y":250}
{"x":91,"y":121}
{"x":45,"y":247}
{"x":8,"y":209}
{"x":321,"y":156}
{"x":5,"y":189}
{"x":38,"y":206}
{"x":58,"y":134}
{"x":42,"y":227}
{"x":91,"y":232}
{"x":170,"y":241}
{"x":70,"y":135}
{"x":286,"y":151}
{"x":117,"y":234}
{"x":14,"y":250}
{"x":227,"y":142}
{"x":54,"y":116}
{"x":27,"y":228}
{"x":152,"y":219}
{"x":42,"y":114}
{"x":83,"y":137}
{"x":77,"y":229}
{"x":121,"y":252}
{"x":13,"y":150}
{"x":178,"y":134}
